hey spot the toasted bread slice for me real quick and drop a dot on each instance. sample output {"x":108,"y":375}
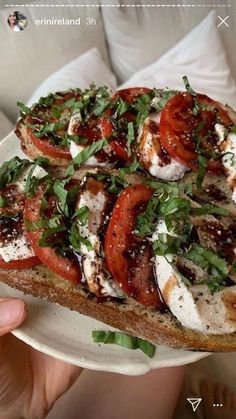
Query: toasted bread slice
{"x":128,"y":316}
{"x":30,"y":149}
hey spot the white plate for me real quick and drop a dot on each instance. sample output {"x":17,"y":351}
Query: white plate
{"x":66,"y":335}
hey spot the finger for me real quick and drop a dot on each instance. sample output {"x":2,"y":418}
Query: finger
{"x":12,"y":314}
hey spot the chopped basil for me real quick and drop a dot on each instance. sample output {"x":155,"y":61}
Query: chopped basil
{"x":207,"y":259}
{"x":146,"y":222}
{"x":115,"y":183}
{"x":33,"y":182}
{"x":87,"y":152}
{"x":142,"y":105}
{"x":121,"y":108}
{"x":11,"y":170}
{"x":76,"y":240}
{"x":36,"y":225}
{"x":122,"y":339}
{"x":25,"y":110}
{"x":61,"y":193}
{"x":209,"y":209}
{"x":165,"y":244}
{"x":173,"y":189}
{"x":197,"y":105}
{"x":178,"y":206}
{"x":215,"y":283}
{"x":163,"y":97}
{"x":202,"y":167}
{"x":188,"y":87}
{"x":51,"y":127}
{"x":3,"y":202}
{"x":130,"y":137}
{"x":82,"y":215}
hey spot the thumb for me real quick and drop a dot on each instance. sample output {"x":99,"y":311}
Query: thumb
{"x":12,"y":314}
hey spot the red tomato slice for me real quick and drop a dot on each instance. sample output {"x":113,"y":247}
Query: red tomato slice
{"x":136,"y":282}
{"x":20,"y":264}
{"x":131,"y":93}
{"x":48,"y":149}
{"x":65,"y":267}
{"x":178,"y":126}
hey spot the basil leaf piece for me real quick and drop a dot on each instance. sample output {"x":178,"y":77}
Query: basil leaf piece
{"x":209,"y":209}
{"x":122,"y":339}
{"x":146,"y":222}
{"x":82,"y":215}
{"x":87,"y":152}
{"x":188,"y":87}
{"x":52,"y":127}
{"x":3,"y":202}
{"x":32,"y":182}
{"x":121,"y":108}
{"x":130,"y":137}
{"x":11,"y":170}
{"x":178,"y":206}
{"x":207,"y":258}
{"x":61,"y":194}
{"x":76,"y":240}
{"x":115,"y":183}
{"x":25,"y":110}
{"x":162,"y":96}
{"x":202,"y":167}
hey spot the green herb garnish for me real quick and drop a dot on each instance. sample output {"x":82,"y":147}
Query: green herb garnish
{"x":87,"y":152}
{"x":122,"y":339}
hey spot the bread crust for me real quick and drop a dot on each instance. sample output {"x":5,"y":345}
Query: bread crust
{"x":130,"y":317}
{"x":30,"y":149}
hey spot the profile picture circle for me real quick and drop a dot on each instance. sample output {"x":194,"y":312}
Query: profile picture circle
{"x":17,"y":21}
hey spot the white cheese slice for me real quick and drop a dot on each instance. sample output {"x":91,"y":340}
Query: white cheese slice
{"x":170,"y":171}
{"x":17,"y":249}
{"x":92,"y":261}
{"x":75,"y":149}
{"x":228,"y":149}
{"x":194,"y":306}
{"x":38,"y":172}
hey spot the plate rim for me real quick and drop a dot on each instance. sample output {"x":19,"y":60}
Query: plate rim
{"x":127,"y":367}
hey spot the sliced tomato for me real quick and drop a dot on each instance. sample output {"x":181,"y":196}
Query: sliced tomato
{"x":119,"y":143}
{"x":67,"y":268}
{"x":43,"y":114}
{"x":120,"y":241}
{"x":20,"y":263}
{"x":179,"y":124}
{"x":131,"y":93}
{"x":48,"y":149}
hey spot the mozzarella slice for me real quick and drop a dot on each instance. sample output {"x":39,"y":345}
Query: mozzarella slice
{"x":16,"y":249}
{"x":157,"y":162}
{"x":38,"y":172}
{"x":228,"y":149}
{"x":75,"y":149}
{"x":95,"y":275}
{"x":194,"y":306}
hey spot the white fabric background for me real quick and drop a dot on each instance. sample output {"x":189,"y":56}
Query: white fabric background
{"x":201,"y":56}
{"x":81,"y":72}
{"x":30,"y":56}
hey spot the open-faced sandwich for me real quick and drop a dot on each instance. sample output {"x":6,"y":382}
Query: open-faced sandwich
{"x":127,"y":213}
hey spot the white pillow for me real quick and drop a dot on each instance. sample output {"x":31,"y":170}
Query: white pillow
{"x":5,"y":125}
{"x":201,"y":56}
{"x":86,"y":69}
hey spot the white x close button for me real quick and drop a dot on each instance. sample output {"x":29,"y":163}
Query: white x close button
{"x":223,"y":21}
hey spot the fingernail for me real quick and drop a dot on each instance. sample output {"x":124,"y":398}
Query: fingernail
{"x":11,"y":312}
